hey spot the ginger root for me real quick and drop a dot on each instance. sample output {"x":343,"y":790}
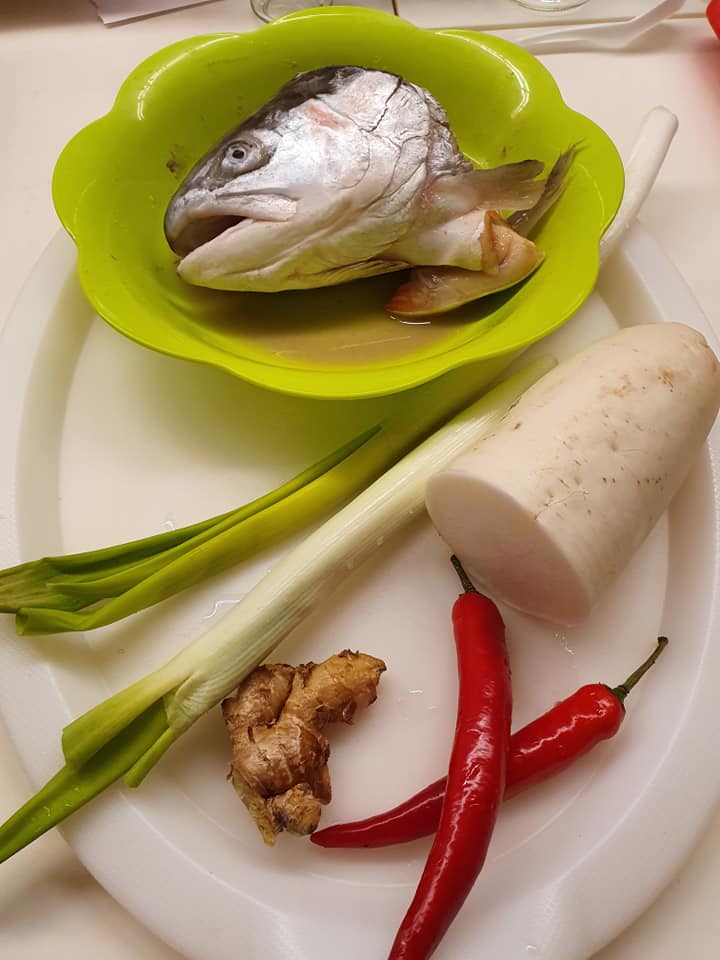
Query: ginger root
{"x":279,"y":752}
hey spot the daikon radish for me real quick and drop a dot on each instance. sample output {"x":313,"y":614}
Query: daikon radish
{"x":548,"y":510}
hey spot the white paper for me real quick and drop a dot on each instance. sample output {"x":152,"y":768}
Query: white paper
{"x":117,"y":11}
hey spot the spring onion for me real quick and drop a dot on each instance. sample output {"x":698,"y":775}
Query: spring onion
{"x":46,"y":595}
{"x":126,"y":734}
{"x":83,"y":591}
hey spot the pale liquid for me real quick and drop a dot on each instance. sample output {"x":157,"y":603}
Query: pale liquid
{"x":342,"y":326}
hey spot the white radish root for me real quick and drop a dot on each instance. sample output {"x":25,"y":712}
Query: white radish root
{"x":548,"y":510}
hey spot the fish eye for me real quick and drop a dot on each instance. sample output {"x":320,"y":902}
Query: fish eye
{"x":242,"y":156}
{"x":238,"y":151}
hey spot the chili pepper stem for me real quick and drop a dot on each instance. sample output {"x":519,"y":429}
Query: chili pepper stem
{"x":624,"y":689}
{"x":465,"y":580}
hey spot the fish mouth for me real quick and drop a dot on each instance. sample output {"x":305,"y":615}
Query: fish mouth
{"x":193,"y":219}
{"x":201,"y":230}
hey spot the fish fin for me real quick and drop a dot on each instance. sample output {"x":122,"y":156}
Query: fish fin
{"x":490,"y":260}
{"x":512,"y":186}
{"x":523,"y":221}
{"x":415,"y":297}
{"x":434,"y":290}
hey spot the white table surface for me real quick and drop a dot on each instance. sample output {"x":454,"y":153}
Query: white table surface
{"x":59,"y":69}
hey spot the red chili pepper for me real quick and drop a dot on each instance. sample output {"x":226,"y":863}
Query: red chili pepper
{"x":543,"y":748}
{"x":713,"y":15}
{"x":475,"y":780}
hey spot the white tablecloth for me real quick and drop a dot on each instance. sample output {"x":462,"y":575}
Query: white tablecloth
{"x":59,"y":69}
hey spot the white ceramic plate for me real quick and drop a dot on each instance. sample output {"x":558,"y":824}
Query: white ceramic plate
{"x":103,"y":441}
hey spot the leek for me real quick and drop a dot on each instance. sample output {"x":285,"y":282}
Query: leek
{"x":83,"y":591}
{"x":126,"y":734}
{"x":46,"y":595}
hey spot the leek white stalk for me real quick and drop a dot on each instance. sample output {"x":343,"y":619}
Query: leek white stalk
{"x":126,"y":734}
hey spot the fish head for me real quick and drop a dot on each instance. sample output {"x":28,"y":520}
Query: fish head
{"x":303,"y":164}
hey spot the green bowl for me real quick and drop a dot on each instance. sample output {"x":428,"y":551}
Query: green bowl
{"x":114,"y":179}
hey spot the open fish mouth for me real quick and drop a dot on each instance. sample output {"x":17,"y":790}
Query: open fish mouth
{"x":202,"y":230}
{"x":193,"y":220}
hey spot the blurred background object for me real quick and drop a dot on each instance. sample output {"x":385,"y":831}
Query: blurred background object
{"x":268,"y":10}
{"x":550,"y":5}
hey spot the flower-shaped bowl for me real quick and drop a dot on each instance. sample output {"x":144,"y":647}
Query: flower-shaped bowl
{"x":114,"y":179}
